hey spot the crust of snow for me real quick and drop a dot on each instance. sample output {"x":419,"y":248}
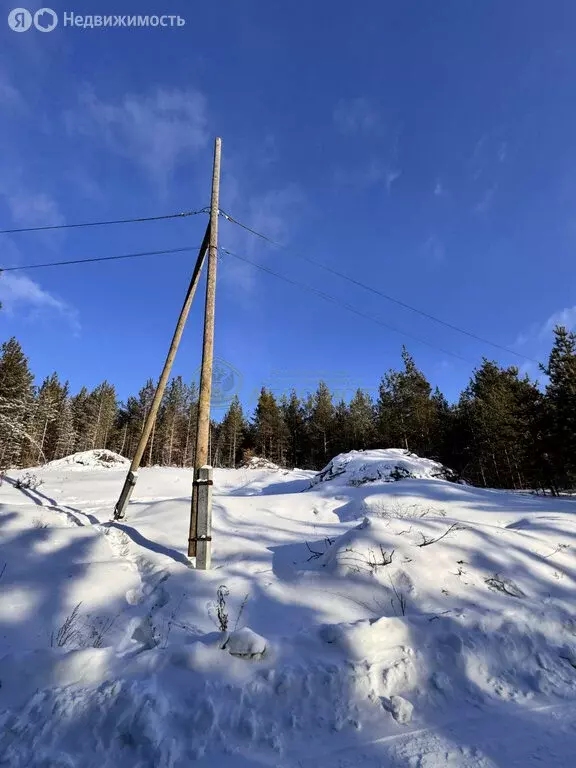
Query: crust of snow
{"x":99,"y":458}
{"x":379,"y":466}
{"x":259,"y":462}
{"x":413,"y":623}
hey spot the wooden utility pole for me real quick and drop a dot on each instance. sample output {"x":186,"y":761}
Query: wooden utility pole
{"x":201,"y":508}
{"x":132,"y":475}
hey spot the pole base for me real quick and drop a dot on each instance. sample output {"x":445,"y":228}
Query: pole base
{"x":127,"y":489}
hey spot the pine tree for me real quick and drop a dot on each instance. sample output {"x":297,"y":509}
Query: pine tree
{"x":82,"y":420}
{"x":495,"y":413}
{"x":232,"y":433}
{"x":65,"y":437}
{"x":171,"y":423}
{"x":189,"y":450}
{"x":293,"y":414}
{"x":270,"y":432}
{"x":103,"y":407}
{"x":406,"y":412}
{"x":342,"y":430}
{"x":442,"y":429}
{"x":362,"y":420}
{"x":321,"y":425}
{"x":560,"y":410}
{"x":16,"y":400}
{"x":49,"y":403}
{"x":130,"y":421}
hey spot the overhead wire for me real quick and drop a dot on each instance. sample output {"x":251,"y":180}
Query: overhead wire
{"x":378,"y":292}
{"x":349,"y":307}
{"x":164,"y":252}
{"x":139,"y":220}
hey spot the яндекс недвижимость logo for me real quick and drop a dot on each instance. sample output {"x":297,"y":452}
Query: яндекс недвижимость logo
{"x":45,"y":20}
{"x":21,"y":20}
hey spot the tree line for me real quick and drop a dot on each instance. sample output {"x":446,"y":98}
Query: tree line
{"x":504,"y":430}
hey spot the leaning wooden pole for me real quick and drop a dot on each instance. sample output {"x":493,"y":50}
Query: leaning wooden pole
{"x":132,"y":476}
{"x":200,"y":530}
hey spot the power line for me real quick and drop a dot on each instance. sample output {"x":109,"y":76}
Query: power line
{"x":100,"y":258}
{"x":248,"y":229}
{"x":349,"y":307}
{"x":139,"y":220}
{"x":377,"y":292}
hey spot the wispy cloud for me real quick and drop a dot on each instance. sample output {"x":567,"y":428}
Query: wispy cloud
{"x":18,"y":293}
{"x":372,"y":174}
{"x":272,"y":213}
{"x":439,"y":190}
{"x":486,"y":201}
{"x":565,"y":317}
{"x":434,"y":250}
{"x":484,"y":166}
{"x":10,"y":97}
{"x":353,"y":116}
{"x":32,"y":209}
{"x":155,"y":131}
{"x":360,"y":116}
{"x":392,"y":174}
{"x":361,"y":177}
{"x":540,"y":332}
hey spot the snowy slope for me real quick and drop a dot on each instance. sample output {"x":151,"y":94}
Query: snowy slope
{"x":416,"y":623}
{"x":83,"y":460}
{"x":379,"y":465}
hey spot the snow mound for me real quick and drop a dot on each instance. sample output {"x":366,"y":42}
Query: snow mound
{"x":246,"y":644}
{"x":98,"y":457}
{"x":259,"y":462}
{"x":380,"y":465}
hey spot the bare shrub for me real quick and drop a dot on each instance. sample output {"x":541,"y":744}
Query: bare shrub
{"x":316,"y":553}
{"x":427,"y":540}
{"x":218,"y":609}
{"x":28,"y":481}
{"x":97,"y":631}
{"x":69,"y":632}
{"x":358,"y":562}
{"x":392,"y":508}
{"x":399,"y":601}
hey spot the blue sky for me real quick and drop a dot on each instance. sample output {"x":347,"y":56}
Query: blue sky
{"x":427,"y":148}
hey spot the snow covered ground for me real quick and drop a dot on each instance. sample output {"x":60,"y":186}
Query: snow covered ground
{"x":410,"y":623}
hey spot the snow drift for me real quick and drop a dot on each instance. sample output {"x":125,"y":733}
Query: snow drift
{"x":380,"y":465}
{"x":259,"y":462}
{"x":99,"y":457}
{"x":437,"y":631}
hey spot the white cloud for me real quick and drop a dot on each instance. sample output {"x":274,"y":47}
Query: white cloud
{"x":20,"y":292}
{"x":270,"y":213}
{"x":10,"y":97}
{"x":365,"y":176}
{"x":355,"y":116}
{"x":434,"y":250}
{"x":539,"y":332}
{"x":485,"y":203}
{"x":439,"y":189}
{"x":33,"y":209}
{"x":391,"y":175}
{"x":565,"y":317}
{"x":155,"y":131}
